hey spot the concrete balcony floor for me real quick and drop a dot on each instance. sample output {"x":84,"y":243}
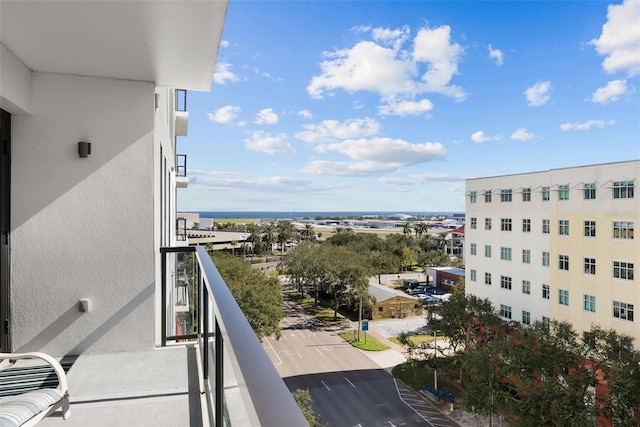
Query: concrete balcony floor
{"x":152,"y":388}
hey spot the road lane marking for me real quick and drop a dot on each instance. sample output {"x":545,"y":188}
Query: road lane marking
{"x":299,"y":355}
{"x":276,"y":353}
{"x":326,"y":386}
{"x":319,"y":352}
{"x":352,"y":385}
{"x":406,"y":403}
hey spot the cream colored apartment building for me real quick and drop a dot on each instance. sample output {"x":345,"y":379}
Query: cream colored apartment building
{"x":557,"y":244}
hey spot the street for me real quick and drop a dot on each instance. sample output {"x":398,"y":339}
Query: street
{"x":347,"y":387}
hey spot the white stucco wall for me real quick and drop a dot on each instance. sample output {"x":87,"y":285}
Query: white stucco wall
{"x":83,"y":228}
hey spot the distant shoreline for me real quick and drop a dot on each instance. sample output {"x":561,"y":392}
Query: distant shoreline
{"x":296,"y":215}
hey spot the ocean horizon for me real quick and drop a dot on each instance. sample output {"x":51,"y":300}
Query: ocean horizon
{"x":275,"y":215}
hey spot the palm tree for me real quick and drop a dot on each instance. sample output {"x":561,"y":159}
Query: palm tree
{"x":407,"y":228}
{"x":307,"y":232}
{"x":420,"y":229}
{"x":285,"y":232}
{"x":268,"y":236}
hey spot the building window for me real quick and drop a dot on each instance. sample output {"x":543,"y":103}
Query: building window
{"x":526,"y":226}
{"x":589,"y":228}
{"x":623,"y":230}
{"x":474,"y":223}
{"x":590,"y":303}
{"x":473,"y":196}
{"x":526,"y":287}
{"x":623,"y":190}
{"x":563,"y":192}
{"x":590,"y":191}
{"x":545,"y":259}
{"x":563,"y":227}
{"x":505,"y":253}
{"x":545,"y":226}
{"x":623,"y":270}
{"x":589,"y":266}
{"x":473,"y":275}
{"x":622,"y":310}
{"x":526,"y":256}
{"x":546,"y":194}
{"x":505,"y":224}
{"x":487,"y":278}
{"x":545,"y":292}
{"x":563,"y":262}
{"x":545,"y":321}
{"x":526,"y":317}
{"x":473,"y":248}
{"x":505,"y":195}
{"x":505,"y":282}
{"x":563,"y":297}
{"x":487,"y":251}
{"x":526,"y":194}
{"x":505,"y":311}
{"x":487,"y":196}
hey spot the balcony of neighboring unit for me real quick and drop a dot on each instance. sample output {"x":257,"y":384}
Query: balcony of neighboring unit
{"x":182,"y":115}
{"x":182,"y":180}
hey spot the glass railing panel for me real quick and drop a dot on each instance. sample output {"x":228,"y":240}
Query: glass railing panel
{"x":242,"y":387}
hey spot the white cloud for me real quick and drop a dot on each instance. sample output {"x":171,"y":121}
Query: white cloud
{"x":391,"y":71}
{"x":387,"y":150}
{"x":538,"y":94}
{"x":261,"y":73}
{"x":266,"y":116}
{"x":394,"y":38}
{"x":324,"y":167}
{"x":223,"y":181}
{"x":586,"y":125}
{"x":270,"y":144}
{"x":333,"y":130}
{"x":224,"y":43}
{"x":425,"y":178}
{"x":225,"y":114}
{"x":223,"y":74}
{"x":619,"y":41}
{"x":306,"y":114}
{"x":433,"y":46}
{"x":480,"y":137}
{"x":522,"y":135}
{"x":405,"y":108}
{"x":374,"y":156}
{"x":610,"y":92}
{"x":497,"y":55}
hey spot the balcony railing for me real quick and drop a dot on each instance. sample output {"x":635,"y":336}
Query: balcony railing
{"x":241,"y":385}
{"x":181,"y":165}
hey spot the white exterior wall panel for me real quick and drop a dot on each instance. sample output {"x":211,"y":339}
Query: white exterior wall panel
{"x":72,"y":238}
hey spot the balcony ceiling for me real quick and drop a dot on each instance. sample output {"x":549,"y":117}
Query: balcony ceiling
{"x":171,"y":43}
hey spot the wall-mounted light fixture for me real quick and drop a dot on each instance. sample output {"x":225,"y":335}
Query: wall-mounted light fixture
{"x":84,"y":149}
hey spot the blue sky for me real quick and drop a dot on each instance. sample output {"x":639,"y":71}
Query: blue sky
{"x":391,"y":105}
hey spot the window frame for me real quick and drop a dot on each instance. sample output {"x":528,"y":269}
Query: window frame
{"x":589,"y":303}
{"x":589,"y":191}
{"x":563,"y":297}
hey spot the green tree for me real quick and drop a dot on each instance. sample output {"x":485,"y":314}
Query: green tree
{"x":304,"y":401}
{"x":259,"y":296}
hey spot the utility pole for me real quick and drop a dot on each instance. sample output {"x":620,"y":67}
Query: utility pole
{"x":435,"y":355}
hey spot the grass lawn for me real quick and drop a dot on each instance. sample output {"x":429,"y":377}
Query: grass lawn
{"x":416,"y":339}
{"x":371,"y":344}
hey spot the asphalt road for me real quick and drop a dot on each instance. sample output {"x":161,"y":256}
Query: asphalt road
{"x":348,"y":389}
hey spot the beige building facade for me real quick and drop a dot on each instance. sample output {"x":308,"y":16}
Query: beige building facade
{"x":557,"y":244}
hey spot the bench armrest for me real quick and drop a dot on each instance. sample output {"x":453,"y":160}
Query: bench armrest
{"x":57,"y":368}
